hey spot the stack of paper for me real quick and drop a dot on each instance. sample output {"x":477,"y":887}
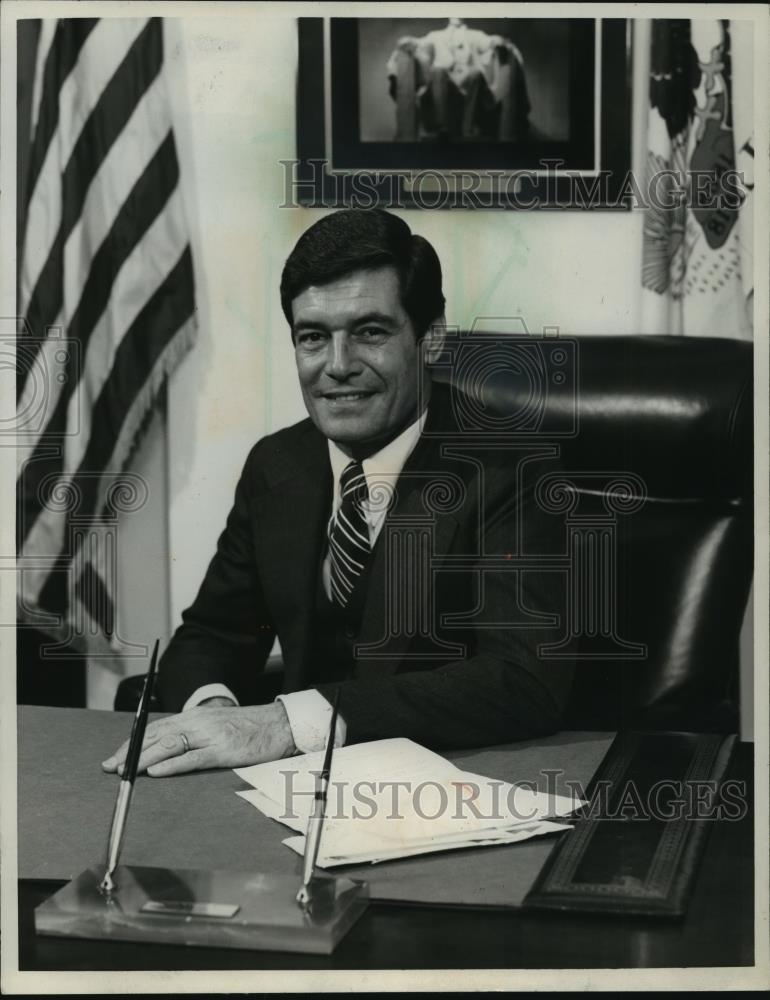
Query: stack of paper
{"x":393,"y":798}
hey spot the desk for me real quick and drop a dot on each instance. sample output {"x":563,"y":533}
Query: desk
{"x":718,"y":929}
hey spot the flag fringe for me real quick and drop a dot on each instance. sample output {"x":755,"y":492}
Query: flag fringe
{"x":138,"y":417}
{"x":131,"y":434}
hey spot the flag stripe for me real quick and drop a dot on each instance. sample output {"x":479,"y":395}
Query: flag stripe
{"x":68,"y":39}
{"x":144,"y":271}
{"x":111,"y":278}
{"x":45,"y":40}
{"x":142,"y":344}
{"x":128,"y":158}
{"x":106,"y":258}
{"x":140,"y":348}
{"x":92,"y":593}
{"x":111,"y":114}
{"x":102,"y":52}
{"x":134,"y":217}
{"x":144,"y":207}
{"x":53,"y":596}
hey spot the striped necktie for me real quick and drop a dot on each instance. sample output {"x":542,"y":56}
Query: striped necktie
{"x":349,"y":545}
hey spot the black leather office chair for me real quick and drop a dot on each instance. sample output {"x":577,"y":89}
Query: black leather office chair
{"x":656,"y":449}
{"x":677,"y":412}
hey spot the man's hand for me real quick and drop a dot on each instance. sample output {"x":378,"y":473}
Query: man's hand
{"x":215,"y":737}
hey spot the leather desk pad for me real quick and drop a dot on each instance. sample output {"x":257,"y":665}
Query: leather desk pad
{"x":638,"y":841}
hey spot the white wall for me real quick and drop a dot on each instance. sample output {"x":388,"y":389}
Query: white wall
{"x":232,"y":83}
{"x":142,"y":586}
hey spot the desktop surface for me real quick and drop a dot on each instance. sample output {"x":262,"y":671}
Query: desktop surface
{"x":717,"y":930}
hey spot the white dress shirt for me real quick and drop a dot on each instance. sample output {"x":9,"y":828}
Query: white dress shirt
{"x":308,"y":711}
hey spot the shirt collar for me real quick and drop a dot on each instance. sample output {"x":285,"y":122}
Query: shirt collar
{"x":386,"y":464}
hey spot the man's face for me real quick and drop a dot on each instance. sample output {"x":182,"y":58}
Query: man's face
{"x":358,"y":360}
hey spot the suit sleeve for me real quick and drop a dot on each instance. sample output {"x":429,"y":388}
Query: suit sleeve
{"x":506,"y":689}
{"x":226,"y":634}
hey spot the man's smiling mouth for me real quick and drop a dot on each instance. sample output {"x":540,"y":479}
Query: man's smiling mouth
{"x":346,"y":396}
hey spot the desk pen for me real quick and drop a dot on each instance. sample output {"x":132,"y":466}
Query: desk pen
{"x":126,"y":785}
{"x":315,"y":823}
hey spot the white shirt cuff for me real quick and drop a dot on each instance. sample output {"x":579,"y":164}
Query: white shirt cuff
{"x":209,"y":691}
{"x":310,"y":716}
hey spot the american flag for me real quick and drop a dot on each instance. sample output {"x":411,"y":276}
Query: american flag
{"x":106,"y":307}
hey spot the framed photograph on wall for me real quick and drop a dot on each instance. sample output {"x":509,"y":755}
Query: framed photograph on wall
{"x":449,"y":112}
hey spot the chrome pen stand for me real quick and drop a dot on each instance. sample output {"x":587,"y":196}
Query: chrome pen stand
{"x":218,"y":909}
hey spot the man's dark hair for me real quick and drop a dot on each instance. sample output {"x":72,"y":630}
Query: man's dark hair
{"x":356,"y":238}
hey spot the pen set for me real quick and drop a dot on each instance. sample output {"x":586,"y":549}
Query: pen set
{"x":207,"y":908}
{"x":126,"y":786}
{"x":203,"y":907}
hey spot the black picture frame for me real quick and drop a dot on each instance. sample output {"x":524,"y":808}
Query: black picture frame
{"x":335,"y":167}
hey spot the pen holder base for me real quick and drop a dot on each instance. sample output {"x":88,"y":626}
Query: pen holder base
{"x":219,"y":909}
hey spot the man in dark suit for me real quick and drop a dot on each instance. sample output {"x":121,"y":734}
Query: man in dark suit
{"x":398,"y":559}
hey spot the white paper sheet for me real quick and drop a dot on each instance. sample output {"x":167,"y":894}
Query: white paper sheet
{"x":523,"y":831}
{"x":394,"y":798}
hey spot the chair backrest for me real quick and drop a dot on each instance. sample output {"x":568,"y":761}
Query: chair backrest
{"x":656,"y":448}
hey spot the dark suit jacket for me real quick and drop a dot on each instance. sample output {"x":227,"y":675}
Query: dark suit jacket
{"x":463,"y":671}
